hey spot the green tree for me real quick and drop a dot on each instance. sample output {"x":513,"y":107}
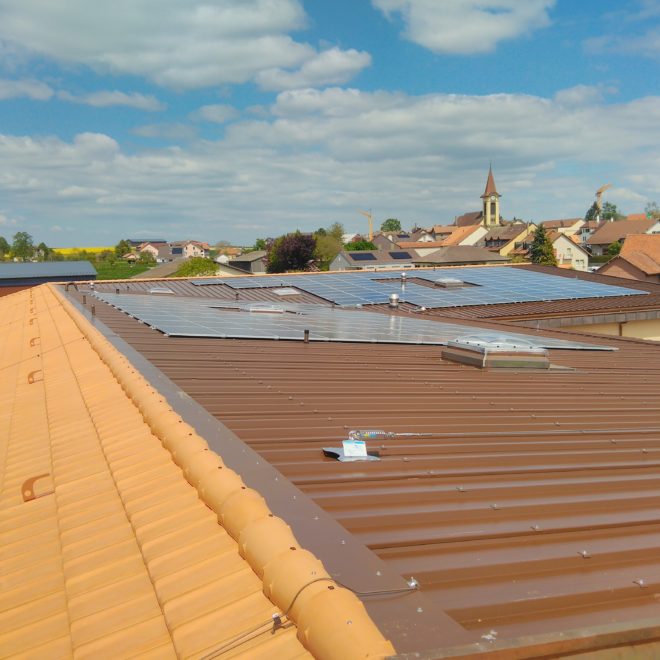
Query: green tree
{"x":146,"y":258}
{"x":652,"y":211}
{"x":22,"y":248}
{"x":259,"y":244}
{"x":4,"y":247}
{"x":327,"y":248}
{"x":43,"y":252}
{"x":541,"y":251}
{"x":391,"y":224}
{"x":196,"y":266}
{"x":122,"y":248}
{"x":614,"y":248}
{"x":359,"y":246}
{"x":592,"y":213}
{"x":336,"y":230}
{"x":610,"y":212}
{"x":290,"y":252}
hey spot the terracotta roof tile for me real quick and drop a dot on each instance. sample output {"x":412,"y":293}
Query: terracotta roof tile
{"x":121,"y":553}
{"x":643,"y":251}
{"x":609,"y":232}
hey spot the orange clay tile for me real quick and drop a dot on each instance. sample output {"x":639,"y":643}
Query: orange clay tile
{"x":123,"y":535}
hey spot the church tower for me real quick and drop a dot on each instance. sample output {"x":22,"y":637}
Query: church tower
{"x":491,"y":203}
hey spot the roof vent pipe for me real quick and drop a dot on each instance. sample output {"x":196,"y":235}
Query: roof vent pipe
{"x":394,"y":300}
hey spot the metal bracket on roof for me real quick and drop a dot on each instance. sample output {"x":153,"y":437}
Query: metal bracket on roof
{"x":338,"y":454}
{"x":27,"y":489}
{"x":31,"y":376}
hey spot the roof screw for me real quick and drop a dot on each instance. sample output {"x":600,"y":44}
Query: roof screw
{"x":495,"y":506}
{"x":412,"y":583}
{"x":645,"y":451}
{"x":420,"y":610}
{"x":349,"y":623}
{"x":584,"y":554}
{"x":640,"y":582}
{"x":613,"y":441}
{"x":378,"y":573}
{"x":536,"y":528}
{"x":343,"y":542}
{"x":405,"y":459}
{"x":316,"y":517}
{"x":460,"y":489}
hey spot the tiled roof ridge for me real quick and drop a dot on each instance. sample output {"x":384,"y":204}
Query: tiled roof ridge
{"x":293,"y":578}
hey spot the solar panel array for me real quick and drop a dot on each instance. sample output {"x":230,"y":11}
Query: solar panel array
{"x":203,"y":317}
{"x":493,"y":286}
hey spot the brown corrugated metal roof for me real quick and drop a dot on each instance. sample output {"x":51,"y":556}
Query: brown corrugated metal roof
{"x":120,"y":537}
{"x":531,"y":507}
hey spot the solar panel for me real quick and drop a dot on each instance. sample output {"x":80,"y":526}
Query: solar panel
{"x":493,"y":286}
{"x":400,"y":255}
{"x":203,"y":317}
{"x":362,"y":256}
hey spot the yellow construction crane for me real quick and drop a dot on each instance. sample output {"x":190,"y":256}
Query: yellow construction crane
{"x":369,"y":216}
{"x":599,"y":195}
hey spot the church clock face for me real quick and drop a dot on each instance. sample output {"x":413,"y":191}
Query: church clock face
{"x":492,"y":198}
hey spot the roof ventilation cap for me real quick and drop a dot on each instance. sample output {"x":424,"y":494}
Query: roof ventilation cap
{"x":394,"y":300}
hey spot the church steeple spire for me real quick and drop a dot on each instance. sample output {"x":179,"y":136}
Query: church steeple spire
{"x":491,"y":202}
{"x":490,"y":185}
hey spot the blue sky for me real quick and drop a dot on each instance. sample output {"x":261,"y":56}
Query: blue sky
{"x":233,"y":119}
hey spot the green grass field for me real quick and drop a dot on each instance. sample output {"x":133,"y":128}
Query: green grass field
{"x":120,"y":270}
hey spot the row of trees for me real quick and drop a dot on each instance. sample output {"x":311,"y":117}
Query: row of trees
{"x":23,"y":248}
{"x":297,"y":251}
{"x":611,"y":212}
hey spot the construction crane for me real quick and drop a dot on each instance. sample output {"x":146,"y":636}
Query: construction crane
{"x":599,"y":196}
{"x":369,"y":216}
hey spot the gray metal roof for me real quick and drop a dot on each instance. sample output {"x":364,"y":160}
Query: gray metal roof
{"x":11,"y":270}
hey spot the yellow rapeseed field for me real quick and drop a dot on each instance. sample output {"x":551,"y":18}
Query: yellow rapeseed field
{"x":91,"y":250}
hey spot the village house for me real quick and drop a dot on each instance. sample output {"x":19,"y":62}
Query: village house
{"x":613,"y":231}
{"x":373,"y":260}
{"x":639,"y":259}
{"x":568,"y":252}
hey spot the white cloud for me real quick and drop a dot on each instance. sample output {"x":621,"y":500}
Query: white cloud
{"x":32,"y":89}
{"x":105,"y":99}
{"x":218,"y":113}
{"x":320,"y":155}
{"x":182,"y":45}
{"x":80,"y":192}
{"x":331,"y":67}
{"x":168,"y":131}
{"x":7,"y":222}
{"x":646,"y":44}
{"x":463,"y":27}
{"x":583,"y":94}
